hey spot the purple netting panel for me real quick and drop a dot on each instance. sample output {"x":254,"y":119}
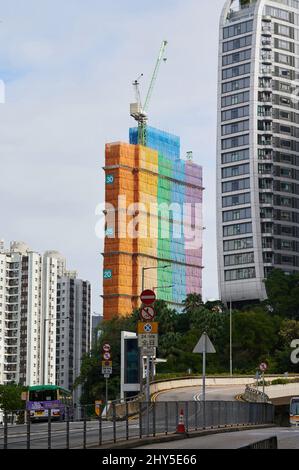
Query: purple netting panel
{"x":193,"y":173}
{"x":194,"y":255}
{"x":193,"y":209}
{"x":193,"y":280}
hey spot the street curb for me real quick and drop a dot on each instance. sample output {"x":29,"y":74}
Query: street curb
{"x":178,"y":437}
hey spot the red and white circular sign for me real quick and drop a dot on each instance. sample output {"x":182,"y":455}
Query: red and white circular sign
{"x":107,"y":356}
{"x":263,"y":366}
{"x":147,"y":313}
{"x":148,"y":297}
{"x":107,"y":347}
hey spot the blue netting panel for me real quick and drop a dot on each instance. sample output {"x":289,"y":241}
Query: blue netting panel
{"x":167,"y":144}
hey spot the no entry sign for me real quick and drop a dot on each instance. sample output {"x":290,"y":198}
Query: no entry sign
{"x":263,"y":366}
{"x":148,"y":297}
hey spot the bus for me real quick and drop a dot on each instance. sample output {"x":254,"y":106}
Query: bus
{"x":41,"y":398}
{"x":294,"y":411}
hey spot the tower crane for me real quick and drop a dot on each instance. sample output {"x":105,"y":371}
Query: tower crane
{"x":139,"y":111}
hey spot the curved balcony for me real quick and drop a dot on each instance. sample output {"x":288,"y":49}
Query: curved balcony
{"x":266,"y":72}
{"x":266,"y":44}
{"x":266,"y":58}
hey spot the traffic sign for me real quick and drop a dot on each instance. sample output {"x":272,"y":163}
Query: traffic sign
{"x":106,"y":363}
{"x":147,"y":341}
{"x":204,"y":345}
{"x":106,"y":370}
{"x":107,"y":376}
{"x":106,"y":356}
{"x":147,"y":328}
{"x":147,"y":314}
{"x":107,"y":347}
{"x":148,"y":297}
{"x":149,"y":351}
{"x":263,"y":366}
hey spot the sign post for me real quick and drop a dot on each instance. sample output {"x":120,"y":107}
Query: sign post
{"x":204,"y":347}
{"x":263,"y":368}
{"x":147,"y":337}
{"x":106,"y":368}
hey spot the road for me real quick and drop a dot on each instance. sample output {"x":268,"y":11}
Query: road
{"x":287,"y":439}
{"x":224,"y":393}
{"x":163,"y":417}
{"x":17,"y":436}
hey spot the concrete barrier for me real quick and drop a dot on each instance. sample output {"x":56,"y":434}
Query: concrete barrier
{"x":255,"y":396}
{"x":197,"y":382}
{"x":287,"y":390}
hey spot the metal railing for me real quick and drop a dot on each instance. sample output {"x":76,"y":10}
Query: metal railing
{"x":121,"y":424}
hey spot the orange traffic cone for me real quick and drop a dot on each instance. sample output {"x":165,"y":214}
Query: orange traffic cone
{"x":181,"y":426}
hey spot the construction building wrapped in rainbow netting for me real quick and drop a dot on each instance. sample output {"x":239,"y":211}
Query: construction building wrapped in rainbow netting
{"x":153,"y":221}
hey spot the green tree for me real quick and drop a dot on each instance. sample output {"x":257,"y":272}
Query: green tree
{"x":11,"y":397}
{"x":283,"y":293}
{"x":255,"y":339}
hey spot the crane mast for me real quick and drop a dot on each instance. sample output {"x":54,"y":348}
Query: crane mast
{"x":139,"y":111}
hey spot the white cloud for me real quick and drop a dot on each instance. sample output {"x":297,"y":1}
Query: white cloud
{"x":69,"y":69}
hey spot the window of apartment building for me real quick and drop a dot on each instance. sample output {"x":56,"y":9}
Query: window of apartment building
{"x":236,"y":57}
{"x":285,"y":143}
{"x":237,"y":156}
{"x":242,"y":258}
{"x":284,"y":115}
{"x":285,"y":73}
{"x":285,"y":87}
{"x":278,"y":13}
{"x":229,"y":216}
{"x":284,"y":59}
{"x":235,"y":128}
{"x":286,"y":187}
{"x":236,"y":71}
{"x":235,"y":99}
{"x":236,"y":170}
{"x":239,"y":244}
{"x":235,"y":113}
{"x":237,"y":229}
{"x":237,"y":43}
{"x":234,"y":142}
{"x":236,"y":185}
{"x":237,"y":29}
{"x":285,"y":129}
{"x":236,"y":85}
{"x":284,"y":30}
{"x":236,"y":200}
{"x":240,"y":274}
{"x":286,"y":245}
{"x":286,"y":45}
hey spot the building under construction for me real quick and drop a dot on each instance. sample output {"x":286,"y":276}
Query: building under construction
{"x":146,"y":245}
{"x":153,"y":215}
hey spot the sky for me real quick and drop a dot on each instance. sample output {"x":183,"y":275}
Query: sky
{"x":68,"y":69}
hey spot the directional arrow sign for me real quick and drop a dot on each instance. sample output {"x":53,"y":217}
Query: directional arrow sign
{"x":204,"y":345}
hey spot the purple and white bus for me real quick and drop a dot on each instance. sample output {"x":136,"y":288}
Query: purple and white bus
{"x":41,"y":398}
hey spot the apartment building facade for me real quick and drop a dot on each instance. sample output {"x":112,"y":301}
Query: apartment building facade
{"x":257,"y":145}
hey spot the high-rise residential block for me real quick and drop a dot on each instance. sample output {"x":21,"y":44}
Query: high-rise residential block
{"x":153,"y":223}
{"x":258,"y":145}
{"x":73,"y":328}
{"x":30,"y":320}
